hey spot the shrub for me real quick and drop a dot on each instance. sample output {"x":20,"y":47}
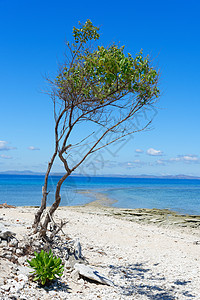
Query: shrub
{"x":46,"y":267}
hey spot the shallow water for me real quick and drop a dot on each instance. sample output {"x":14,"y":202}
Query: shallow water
{"x":181,"y":195}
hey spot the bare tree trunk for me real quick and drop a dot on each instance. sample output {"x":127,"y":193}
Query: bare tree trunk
{"x":44,"y":194}
{"x":54,"y":205}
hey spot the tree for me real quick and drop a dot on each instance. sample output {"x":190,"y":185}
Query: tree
{"x":99,"y":86}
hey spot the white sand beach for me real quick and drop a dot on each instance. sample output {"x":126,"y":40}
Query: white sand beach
{"x":145,"y":261}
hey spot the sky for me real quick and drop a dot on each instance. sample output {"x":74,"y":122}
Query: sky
{"x":32,"y":45}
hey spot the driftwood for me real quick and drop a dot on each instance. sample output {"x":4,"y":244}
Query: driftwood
{"x":56,"y":229}
{"x":5,"y":205}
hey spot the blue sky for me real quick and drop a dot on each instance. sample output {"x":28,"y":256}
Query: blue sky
{"x":32,"y":44}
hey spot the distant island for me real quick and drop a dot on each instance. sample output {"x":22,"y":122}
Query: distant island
{"x":28,"y":172}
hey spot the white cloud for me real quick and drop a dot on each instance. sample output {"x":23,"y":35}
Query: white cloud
{"x":185,"y":158}
{"x":5,"y":156}
{"x":4,"y":147}
{"x":33,"y":148}
{"x":188,"y":159}
{"x":132,"y":164}
{"x":154,"y":152}
{"x":139,"y":151}
{"x":160,"y":162}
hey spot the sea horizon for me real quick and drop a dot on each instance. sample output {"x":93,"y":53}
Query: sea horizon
{"x":167,"y":176}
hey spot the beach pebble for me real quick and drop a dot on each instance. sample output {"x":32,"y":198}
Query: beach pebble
{"x":52,"y":293}
{"x":5,"y":287}
{"x":22,"y":259}
{"x":6,"y":234}
{"x":8,"y":255}
{"x":22,"y":277}
{"x":13,"y":243}
{"x":1,"y":281}
{"x":23,"y":271}
{"x":75,"y":275}
{"x":19,"y":251}
{"x":3,"y":244}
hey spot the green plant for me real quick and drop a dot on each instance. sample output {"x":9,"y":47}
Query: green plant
{"x":47,"y":267}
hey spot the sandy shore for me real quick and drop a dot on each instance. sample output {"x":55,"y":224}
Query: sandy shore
{"x":145,"y":261}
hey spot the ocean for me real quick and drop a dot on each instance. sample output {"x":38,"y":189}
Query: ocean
{"x":180,"y":195}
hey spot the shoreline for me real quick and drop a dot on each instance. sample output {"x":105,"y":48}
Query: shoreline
{"x":160,"y":217}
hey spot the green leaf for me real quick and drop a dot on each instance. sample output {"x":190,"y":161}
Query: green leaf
{"x":46,"y":266}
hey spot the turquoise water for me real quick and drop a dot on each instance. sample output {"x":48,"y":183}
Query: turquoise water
{"x":181,"y":195}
